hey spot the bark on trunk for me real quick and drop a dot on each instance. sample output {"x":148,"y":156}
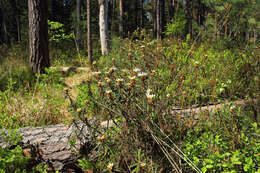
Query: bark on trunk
{"x":121,"y":27}
{"x":38,"y":35}
{"x":155,"y":18}
{"x":170,"y":6}
{"x":89,"y":33}
{"x":160,"y":18}
{"x":103,"y":26}
{"x":201,"y":13}
{"x":50,"y":145}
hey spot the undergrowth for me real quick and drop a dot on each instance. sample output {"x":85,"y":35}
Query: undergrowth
{"x":139,"y":85}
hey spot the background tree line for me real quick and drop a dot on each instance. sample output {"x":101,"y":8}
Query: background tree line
{"x":230,"y":20}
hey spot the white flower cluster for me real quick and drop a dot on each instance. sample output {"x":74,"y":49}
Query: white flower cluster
{"x":132,"y":77}
{"x":137,"y":70}
{"x":149,"y":94}
{"x":108,"y":91}
{"x":119,"y":80}
{"x":110,"y":166}
{"x":142,"y":74}
{"x":96,"y":73}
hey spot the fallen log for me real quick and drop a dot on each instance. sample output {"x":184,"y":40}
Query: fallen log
{"x":195,"y":110}
{"x":51,"y":144}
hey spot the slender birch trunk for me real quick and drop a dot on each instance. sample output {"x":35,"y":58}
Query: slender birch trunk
{"x":103,"y":26}
{"x":121,"y":27}
{"x":90,"y":59}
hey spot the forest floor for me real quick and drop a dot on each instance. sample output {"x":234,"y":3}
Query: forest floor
{"x":72,"y":82}
{"x":145,"y":87}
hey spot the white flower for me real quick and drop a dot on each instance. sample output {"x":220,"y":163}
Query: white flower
{"x":137,"y":70}
{"x":108,"y":91}
{"x":113,"y":69}
{"x":96,"y":73}
{"x":143,"y":165}
{"x":149,"y":94}
{"x":132,"y":77}
{"x":232,"y":108}
{"x":119,"y":80}
{"x":142,"y":74}
{"x":110,"y":166}
{"x":148,"y":91}
{"x":79,"y":110}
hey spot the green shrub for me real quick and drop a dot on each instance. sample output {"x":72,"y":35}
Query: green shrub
{"x":177,"y":25}
{"x":12,"y":160}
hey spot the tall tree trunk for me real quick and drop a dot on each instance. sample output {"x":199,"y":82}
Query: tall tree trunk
{"x":90,"y":59}
{"x":154,"y":18}
{"x":188,"y":14}
{"x":78,"y":28}
{"x":170,"y":5}
{"x":158,"y":21}
{"x":160,"y":18}
{"x":201,"y":13}
{"x":121,"y":12}
{"x":163,"y":19}
{"x":103,"y":26}
{"x":38,"y":35}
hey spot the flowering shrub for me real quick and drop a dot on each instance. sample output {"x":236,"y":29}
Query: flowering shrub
{"x":136,"y":88}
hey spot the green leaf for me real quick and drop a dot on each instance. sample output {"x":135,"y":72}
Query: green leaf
{"x":209,"y":166}
{"x":204,"y":169}
{"x":252,"y":21}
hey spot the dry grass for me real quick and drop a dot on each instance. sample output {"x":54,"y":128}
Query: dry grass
{"x":73,"y":81}
{"x":38,"y":110}
{"x":33,"y":102}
